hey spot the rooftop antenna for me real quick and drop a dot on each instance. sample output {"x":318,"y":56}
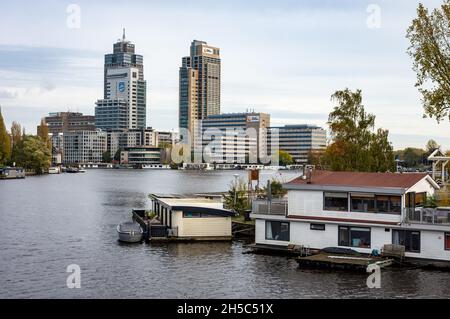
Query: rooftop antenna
{"x":123,"y":36}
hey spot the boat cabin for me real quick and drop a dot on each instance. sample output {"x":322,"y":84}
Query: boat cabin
{"x":194,"y":218}
{"x":12,"y":173}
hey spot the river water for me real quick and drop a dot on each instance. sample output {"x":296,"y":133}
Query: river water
{"x":50,"y":222}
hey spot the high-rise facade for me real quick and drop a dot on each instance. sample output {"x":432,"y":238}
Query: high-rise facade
{"x":124,"y":104}
{"x":199,"y":87}
{"x":299,"y":140}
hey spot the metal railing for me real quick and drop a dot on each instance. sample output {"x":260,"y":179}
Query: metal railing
{"x":274,"y":207}
{"x":434,"y":216}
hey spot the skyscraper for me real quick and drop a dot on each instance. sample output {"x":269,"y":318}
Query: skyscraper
{"x":199,"y":94}
{"x":124,"y":103}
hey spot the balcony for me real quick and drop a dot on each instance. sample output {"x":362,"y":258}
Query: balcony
{"x":275,"y":207}
{"x":431,"y":216}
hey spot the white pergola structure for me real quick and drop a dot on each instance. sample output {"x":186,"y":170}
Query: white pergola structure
{"x":439,"y":160}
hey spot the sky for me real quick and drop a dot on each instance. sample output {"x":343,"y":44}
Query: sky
{"x":283,"y":57}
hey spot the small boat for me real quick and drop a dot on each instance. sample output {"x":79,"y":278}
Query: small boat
{"x":54,"y":170}
{"x":72,"y":170}
{"x":130,"y":232}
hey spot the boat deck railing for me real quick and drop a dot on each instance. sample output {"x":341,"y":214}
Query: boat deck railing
{"x":434,"y":216}
{"x":274,"y":207}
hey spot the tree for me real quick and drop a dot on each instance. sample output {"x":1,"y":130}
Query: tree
{"x":42,"y":132}
{"x":413,"y":157}
{"x":430,"y":49}
{"x":236,"y":198}
{"x":117,"y":155}
{"x":33,"y":154}
{"x":5,"y":142}
{"x":355,"y":147}
{"x":106,"y":157}
{"x":285,"y":158}
{"x":431,"y":146}
{"x":276,"y":187}
{"x":16,"y":133}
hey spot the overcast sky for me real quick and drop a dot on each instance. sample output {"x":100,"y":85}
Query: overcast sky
{"x":281,"y":57}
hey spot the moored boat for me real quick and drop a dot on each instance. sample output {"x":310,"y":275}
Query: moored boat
{"x":130,"y":232}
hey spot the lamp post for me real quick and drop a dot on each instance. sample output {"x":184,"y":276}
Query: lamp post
{"x":235,"y":189}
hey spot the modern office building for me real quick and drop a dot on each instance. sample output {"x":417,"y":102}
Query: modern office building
{"x":124,"y":103}
{"x":111,"y":114}
{"x":60,"y":122}
{"x":141,"y":156}
{"x":199,"y":91}
{"x":165,"y":138}
{"x":299,"y":140}
{"x":123,"y":56}
{"x":82,"y":147}
{"x":130,"y":138}
{"x":246,"y":130}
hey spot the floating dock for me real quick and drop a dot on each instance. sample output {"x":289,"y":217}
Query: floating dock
{"x":343,"y":262}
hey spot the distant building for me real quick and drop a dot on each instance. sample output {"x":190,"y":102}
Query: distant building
{"x":124,"y":103}
{"x":84,"y":147}
{"x":199,"y":87}
{"x":237,"y":144}
{"x":130,"y":138}
{"x":167,"y":138}
{"x":140,"y":156}
{"x":69,"y":121}
{"x":299,"y":140}
{"x":111,"y":114}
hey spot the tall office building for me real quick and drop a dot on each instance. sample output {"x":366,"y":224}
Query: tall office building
{"x":124,"y":103}
{"x":199,"y":95}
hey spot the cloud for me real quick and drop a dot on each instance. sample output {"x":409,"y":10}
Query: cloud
{"x":6,"y":94}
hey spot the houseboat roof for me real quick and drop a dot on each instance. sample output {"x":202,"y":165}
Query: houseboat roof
{"x":192,"y":204}
{"x":321,"y":179}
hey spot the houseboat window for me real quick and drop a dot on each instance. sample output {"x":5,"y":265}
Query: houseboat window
{"x":388,"y":204}
{"x":354,"y":237}
{"x":317,"y":226}
{"x":420,"y":199}
{"x":409,"y":239}
{"x":191,"y":215}
{"x":199,"y":215}
{"x":336,"y":202}
{"x":277,"y":231}
{"x":447,"y":241}
{"x":363,"y":203}
{"x":395,"y":204}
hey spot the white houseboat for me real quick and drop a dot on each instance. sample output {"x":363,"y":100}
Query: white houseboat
{"x":360,"y":211}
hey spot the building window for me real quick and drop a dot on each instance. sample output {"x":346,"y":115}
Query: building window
{"x":388,"y":204}
{"x":277,"y":230}
{"x":447,"y":241}
{"x":317,"y":226}
{"x":336,"y":201}
{"x":362,"y":203}
{"x":191,"y":215}
{"x":358,"y":237}
{"x":420,"y":199}
{"x":408,"y":238}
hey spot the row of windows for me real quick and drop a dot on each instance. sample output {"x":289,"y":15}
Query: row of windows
{"x":356,"y":237}
{"x":362,"y":203}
